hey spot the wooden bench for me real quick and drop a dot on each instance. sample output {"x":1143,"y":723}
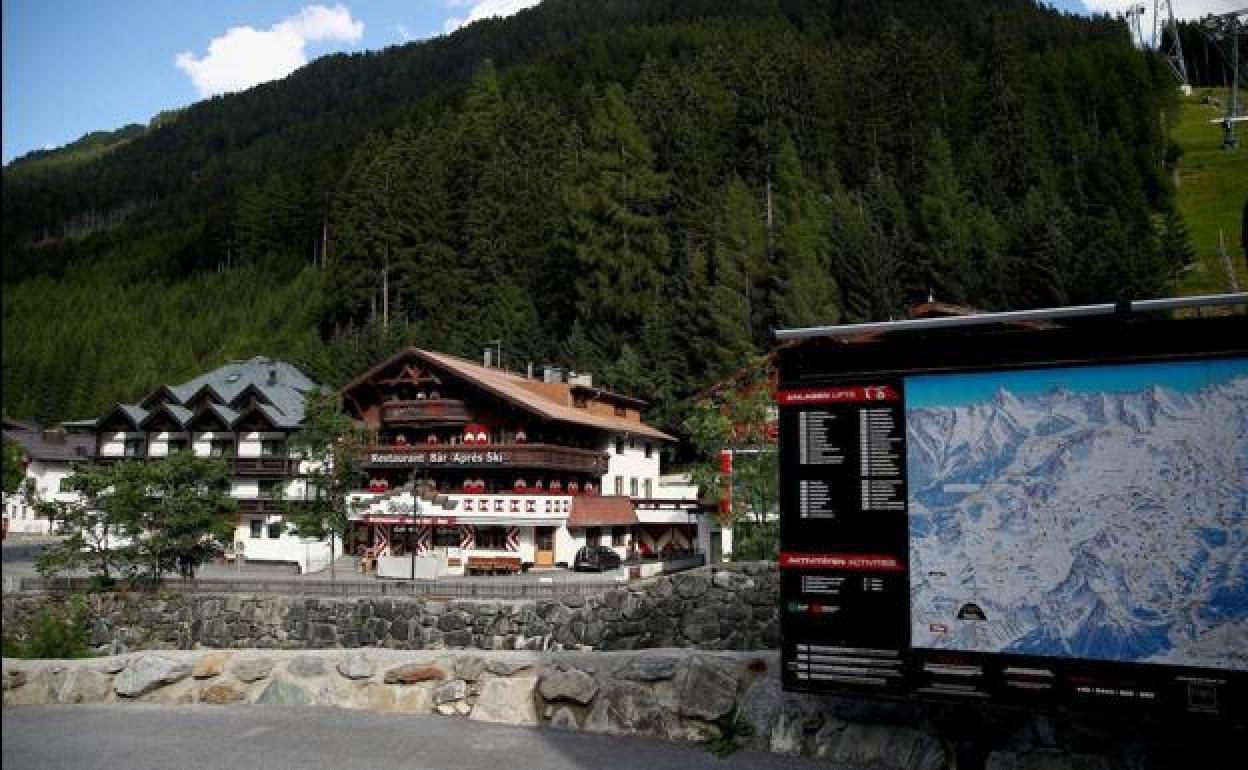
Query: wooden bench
{"x":492,"y":565}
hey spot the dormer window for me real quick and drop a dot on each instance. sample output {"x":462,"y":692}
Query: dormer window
{"x":580,"y":402}
{"x":233,"y":378}
{"x":620,"y":411}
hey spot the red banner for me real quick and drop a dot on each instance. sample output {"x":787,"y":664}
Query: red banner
{"x":863,"y":562}
{"x":837,"y":395}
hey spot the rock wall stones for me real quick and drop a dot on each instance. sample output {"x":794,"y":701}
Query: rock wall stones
{"x":728,"y":698}
{"x":711,"y":608}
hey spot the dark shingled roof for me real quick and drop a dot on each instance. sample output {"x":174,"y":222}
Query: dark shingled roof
{"x":282,"y":385}
{"x":37,"y":446}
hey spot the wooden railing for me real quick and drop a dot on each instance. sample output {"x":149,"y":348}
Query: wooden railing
{"x":433,"y":411}
{"x":537,"y":456}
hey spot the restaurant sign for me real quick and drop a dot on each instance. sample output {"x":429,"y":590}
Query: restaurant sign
{"x":438,"y":458}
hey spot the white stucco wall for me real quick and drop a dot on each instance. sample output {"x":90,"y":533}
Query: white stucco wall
{"x":632,"y":463}
{"x":46,"y":477}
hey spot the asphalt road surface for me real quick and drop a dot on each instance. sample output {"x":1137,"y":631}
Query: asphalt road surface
{"x":142,"y":736}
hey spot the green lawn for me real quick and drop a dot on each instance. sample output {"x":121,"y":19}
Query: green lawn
{"x":1213,"y":185}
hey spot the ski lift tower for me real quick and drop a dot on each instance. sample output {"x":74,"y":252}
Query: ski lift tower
{"x":1229,"y":27}
{"x":1173,"y":48}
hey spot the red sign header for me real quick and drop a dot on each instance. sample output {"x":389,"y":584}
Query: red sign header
{"x":837,"y":395}
{"x":859,"y":562}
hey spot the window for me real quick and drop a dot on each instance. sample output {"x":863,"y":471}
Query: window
{"x":619,"y":485}
{"x":593,"y":535}
{"x":492,"y":537}
{"x":632,"y":486}
{"x":580,"y":402}
{"x":649,"y":485}
{"x":446,"y":537}
{"x":177,"y":445}
{"x":134,"y":447}
{"x":619,"y":446}
{"x":649,"y":449}
{"x":222,"y":447}
{"x":619,"y":536}
{"x":273,"y":448}
{"x":620,"y":411}
{"x":632,"y":442}
{"x":275,"y":530}
{"x":257,"y":529}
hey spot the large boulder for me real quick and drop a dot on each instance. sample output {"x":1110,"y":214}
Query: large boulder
{"x":470,"y":668}
{"x":252,"y":669}
{"x":305,"y":666}
{"x":709,"y":689}
{"x":282,"y":692}
{"x":210,"y":665}
{"x":356,"y":666}
{"x":448,"y":692}
{"x":411,"y":673}
{"x":570,"y":684}
{"x":145,"y":673}
{"x":648,"y":668}
{"x":508,"y":701}
{"x":84,"y":685}
{"x":221,"y":693}
{"x":626,"y":707}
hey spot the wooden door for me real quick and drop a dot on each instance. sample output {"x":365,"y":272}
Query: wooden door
{"x":545,"y":541}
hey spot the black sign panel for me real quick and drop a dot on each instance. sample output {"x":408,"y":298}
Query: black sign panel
{"x":843,"y":535}
{"x":910,"y":570}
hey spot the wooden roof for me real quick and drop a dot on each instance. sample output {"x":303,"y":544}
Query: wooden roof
{"x":552,"y":401}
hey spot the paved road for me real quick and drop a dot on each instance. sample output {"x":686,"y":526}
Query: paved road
{"x":143,"y":737}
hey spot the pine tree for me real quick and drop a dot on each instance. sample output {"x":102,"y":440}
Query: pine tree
{"x":805,"y":293}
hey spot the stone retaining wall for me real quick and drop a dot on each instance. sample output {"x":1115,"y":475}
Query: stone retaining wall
{"x":723,"y":608}
{"x":725,"y":699}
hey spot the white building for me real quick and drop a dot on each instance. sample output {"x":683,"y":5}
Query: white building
{"x":48,"y":457}
{"x":243,"y":412}
{"x":474,"y":465}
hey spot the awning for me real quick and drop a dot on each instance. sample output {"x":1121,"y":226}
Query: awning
{"x":615,"y":511}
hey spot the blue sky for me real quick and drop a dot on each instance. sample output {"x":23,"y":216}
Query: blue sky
{"x":74,"y":66}
{"x":946,"y":390}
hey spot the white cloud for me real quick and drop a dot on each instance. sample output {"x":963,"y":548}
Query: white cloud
{"x":245,"y":56}
{"x":484,"y":9}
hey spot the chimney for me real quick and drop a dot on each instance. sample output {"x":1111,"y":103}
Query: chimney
{"x":272,"y":376}
{"x":529,"y":371}
{"x":487,"y":357}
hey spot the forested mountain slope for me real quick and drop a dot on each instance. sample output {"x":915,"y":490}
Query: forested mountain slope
{"x":639,"y":189}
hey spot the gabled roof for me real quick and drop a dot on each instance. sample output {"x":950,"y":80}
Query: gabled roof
{"x":270,"y":415}
{"x":131,"y":413}
{"x":614,"y":511}
{"x":535,"y":397}
{"x":180,"y":414}
{"x":280,"y":387}
{"x":223,"y":413}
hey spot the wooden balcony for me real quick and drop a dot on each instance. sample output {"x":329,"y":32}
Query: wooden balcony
{"x":549,"y":457}
{"x":425,"y":413}
{"x":263,"y":466}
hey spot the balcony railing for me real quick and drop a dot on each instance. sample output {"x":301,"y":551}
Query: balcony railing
{"x":263,"y":466}
{"x":434,"y":411}
{"x":535,"y":456}
{"x":260,"y":505}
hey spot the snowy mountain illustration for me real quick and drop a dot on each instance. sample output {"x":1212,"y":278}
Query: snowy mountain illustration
{"x":1105,"y":521}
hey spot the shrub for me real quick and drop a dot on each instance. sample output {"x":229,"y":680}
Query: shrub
{"x":56,"y":631}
